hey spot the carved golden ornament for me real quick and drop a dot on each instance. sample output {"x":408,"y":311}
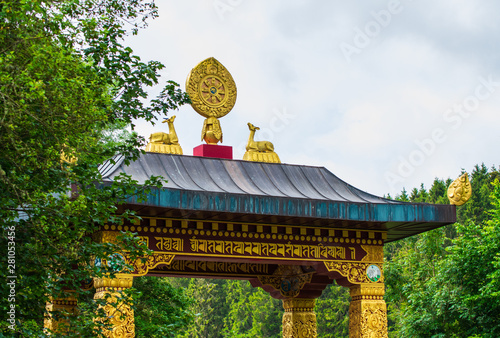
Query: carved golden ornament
{"x":367,"y":312}
{"x":119,"y":313}
{"x":367,"y":291}
{"x":460,"y":190}
{"x":121,"y":281}
{"x":212,"y":91}
{"x":354,"y":271}
{"x":299,"y":319}
{"x":374,"y":253}
{"x":259,"y":151}
{"x":106,"y":236}
{"x":141,"y":268}
{"x":165,"y":143}
{"x":67,"y":305}
{"x":288,"y":279}
{"x":120,"y":316}
{"x":211,"y":132}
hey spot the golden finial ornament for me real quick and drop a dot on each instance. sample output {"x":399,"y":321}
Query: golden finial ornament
{"x":165,"y":143}
{"x":460,"y":190}
{"x":212,"y":91}
{"x":259,"y":151}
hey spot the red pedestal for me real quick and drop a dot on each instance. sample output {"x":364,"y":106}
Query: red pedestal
{"x":212,"y":150}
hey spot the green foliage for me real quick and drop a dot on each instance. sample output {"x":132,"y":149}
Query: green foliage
{"x":332,"y":312}
{"x":476,"y":209}
{"x":65,"y":80}
{"x":162,"y":310}
{"x":252,"y":312}
{"x":444,"y":283}
{"x":231,"y":308}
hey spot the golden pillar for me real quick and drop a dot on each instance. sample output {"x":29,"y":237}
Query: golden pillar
{"x":299,"y":319}
{"x":119,"y":313}
{"x":66,"y":306}
{"x":367,"y":311}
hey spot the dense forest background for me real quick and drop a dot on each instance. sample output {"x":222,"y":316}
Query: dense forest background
{"x":442,"y":283}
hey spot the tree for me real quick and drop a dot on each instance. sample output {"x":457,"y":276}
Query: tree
{"x":65,"y":81}
{"x":476,"y":209}
{"x":230,"y":308}
{"x":162,"y":309}
{"x":444,"y":283}
{"x":332,"y":312}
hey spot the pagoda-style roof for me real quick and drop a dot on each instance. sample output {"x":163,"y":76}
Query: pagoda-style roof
{"x":242,"y":191}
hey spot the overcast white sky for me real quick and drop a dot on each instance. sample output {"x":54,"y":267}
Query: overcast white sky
{"x":385,"y":94}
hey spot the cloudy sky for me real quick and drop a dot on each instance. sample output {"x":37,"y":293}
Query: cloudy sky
{"x":385,"y":94}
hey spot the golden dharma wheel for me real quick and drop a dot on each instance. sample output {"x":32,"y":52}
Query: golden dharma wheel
{"x":211,"y":88}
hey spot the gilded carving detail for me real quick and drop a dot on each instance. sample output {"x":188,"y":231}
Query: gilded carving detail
{"x":68,"y":305}
{"x":121,"y":281}
{"x":374,"y":253}
{"x":355,"y":272}
{"x":299,"y":319}
{"x":367,"y":291}
{"x":106,"y":236}
{"x":212,"y":91}
{"x":460,"y":190}
{"x":119,"y":314}
{"x":288,"y":279}
{"x":141,"y":268}
{"x":367,"y":312}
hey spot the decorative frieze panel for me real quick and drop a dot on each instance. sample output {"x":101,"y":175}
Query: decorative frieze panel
{"x":167,"y":226}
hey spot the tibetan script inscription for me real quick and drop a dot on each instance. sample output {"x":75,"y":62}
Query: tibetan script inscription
{"x":169,"y":244}
{"x":271,"y":249}
{"x":216,"y":267}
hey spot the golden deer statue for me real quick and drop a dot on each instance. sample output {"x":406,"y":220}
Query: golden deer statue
{"x":165,"y":143}
{"x":259,"y":151}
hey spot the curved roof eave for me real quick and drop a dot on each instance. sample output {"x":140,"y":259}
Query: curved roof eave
{"x":260,"y":191}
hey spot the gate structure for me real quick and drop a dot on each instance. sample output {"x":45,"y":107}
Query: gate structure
{"x":289,"y":229}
